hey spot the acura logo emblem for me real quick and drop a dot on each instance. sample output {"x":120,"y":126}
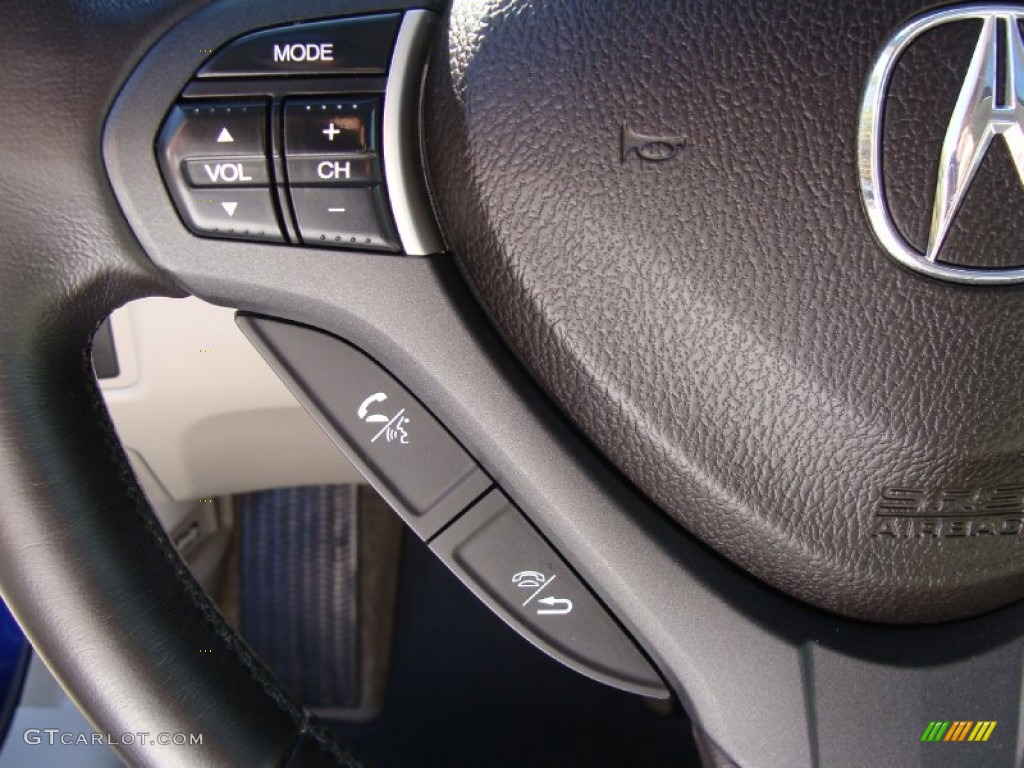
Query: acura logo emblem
{"x":990,"y":106}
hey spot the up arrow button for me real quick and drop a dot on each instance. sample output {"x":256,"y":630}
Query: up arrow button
{"x":220,"y":129}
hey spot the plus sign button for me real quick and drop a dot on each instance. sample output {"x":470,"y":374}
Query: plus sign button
{"x":330,"y":126}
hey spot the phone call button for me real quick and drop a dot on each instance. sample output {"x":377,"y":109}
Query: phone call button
{"x":495,"y":551}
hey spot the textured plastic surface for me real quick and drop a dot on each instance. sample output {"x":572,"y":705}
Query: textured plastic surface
{"x":405,"y":453}
{"x":772,"y":681}
{"x":506,"y":563}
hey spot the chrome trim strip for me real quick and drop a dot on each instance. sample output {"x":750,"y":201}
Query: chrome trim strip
{"x":403,"y":170}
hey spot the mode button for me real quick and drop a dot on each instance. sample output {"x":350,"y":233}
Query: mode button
{"x":359,"y":45}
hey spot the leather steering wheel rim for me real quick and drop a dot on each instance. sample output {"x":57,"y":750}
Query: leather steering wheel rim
{"x":83,"y":561}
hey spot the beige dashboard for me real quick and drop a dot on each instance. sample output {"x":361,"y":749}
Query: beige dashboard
{"x":199,"y":412}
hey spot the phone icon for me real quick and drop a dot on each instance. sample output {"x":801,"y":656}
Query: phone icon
{"x":529,"y":579}
{"x":364,"y":409}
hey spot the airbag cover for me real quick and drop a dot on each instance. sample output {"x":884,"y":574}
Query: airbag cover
{"x":722,"y":323}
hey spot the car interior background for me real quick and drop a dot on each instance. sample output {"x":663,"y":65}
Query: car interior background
{"x":511,"y":383}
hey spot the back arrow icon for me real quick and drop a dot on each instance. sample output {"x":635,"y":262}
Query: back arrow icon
{"x":564,"y":606}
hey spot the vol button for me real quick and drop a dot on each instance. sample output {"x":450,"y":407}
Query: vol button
{"x":242,"y":213}
{"x":215,"y":129}
{"x":227,"y":171}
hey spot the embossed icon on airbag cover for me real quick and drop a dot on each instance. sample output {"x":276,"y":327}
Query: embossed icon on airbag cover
{"x":654,"y":149}
{"x":950,"y":513}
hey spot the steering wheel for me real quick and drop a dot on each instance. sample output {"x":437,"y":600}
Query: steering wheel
{"x":723,"y":297}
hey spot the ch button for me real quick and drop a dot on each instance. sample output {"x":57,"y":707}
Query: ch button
{"x":332,"y":141}
{"x":331,"y":155}
{"x":330,"y":126}
{"x":343,"y":217}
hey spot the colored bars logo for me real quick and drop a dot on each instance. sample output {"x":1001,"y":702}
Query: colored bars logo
{"x":958,"y":730}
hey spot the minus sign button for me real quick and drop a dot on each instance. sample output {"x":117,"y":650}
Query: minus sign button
{"x":335,"y":210}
